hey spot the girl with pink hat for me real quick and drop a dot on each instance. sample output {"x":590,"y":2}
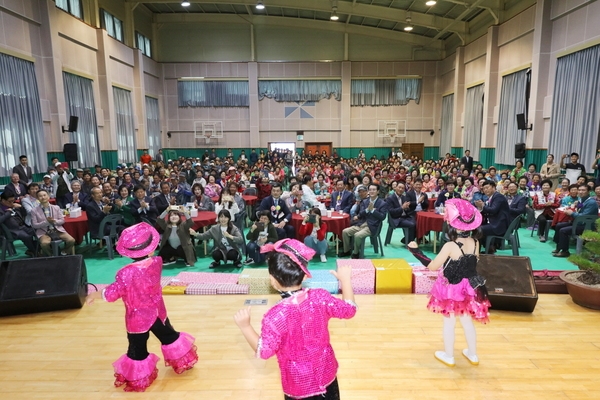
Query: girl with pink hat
{"x":295,"y":329}
{"x":138,"y":284}
{"x":458,"y":290}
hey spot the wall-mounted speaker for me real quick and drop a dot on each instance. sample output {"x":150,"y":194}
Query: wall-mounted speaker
{"x":70,"y":152}
{"x":73,"y":123}
{"x":521,"y":123}
{"x":520,"y":150}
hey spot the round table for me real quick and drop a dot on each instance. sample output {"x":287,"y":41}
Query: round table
{"x":77,"y":227}
{"x":428,"y":221}
{"x":203,"y":220}
{"x":249,"y":199}
{"x":335,"y":224}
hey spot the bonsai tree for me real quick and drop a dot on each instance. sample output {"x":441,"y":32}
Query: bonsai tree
{"x":589,"y":260}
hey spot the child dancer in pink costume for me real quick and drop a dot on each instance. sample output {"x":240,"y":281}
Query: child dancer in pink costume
{"x":458,"y":290}
{"x":138,"y":284}
{"x":295,"y":329}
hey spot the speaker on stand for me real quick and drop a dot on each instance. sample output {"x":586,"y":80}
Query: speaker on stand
{"x":42,"y":284}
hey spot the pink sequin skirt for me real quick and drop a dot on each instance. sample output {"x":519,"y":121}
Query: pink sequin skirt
{"x":459,"y":299}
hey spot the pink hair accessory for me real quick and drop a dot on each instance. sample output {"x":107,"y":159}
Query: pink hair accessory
{"x":294,"y":249}
{"x":462,"y":215}
{"x":138,"y":241}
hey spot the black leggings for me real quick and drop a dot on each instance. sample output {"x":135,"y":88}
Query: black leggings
{"x":332,"y":393}
{"x":138,"y":349}
{"x":232,"y":255}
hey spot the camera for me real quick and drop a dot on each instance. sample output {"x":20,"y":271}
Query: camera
{"x":312,"y":218}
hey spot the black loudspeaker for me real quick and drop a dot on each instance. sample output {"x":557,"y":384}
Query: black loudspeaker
{"x":509,"y":282}
{"x":73,"y":123}
{"x":42,"y":284}
{"x":520,"y":150}
{"x":521,"y":123}
{"x":70,"y":152}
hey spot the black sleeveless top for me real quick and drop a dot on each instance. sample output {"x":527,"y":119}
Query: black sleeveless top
{"x":463,"y":267}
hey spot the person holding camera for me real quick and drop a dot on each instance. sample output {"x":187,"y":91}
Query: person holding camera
{"x":260,"y":233}
{"x":314,"y":231}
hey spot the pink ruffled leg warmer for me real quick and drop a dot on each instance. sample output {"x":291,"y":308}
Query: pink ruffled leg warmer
{"x":135,"y":375}
{"x":181,"y":354}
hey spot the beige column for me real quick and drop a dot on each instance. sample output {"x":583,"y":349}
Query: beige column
{"x":491,"y":88}
{"x":345,"y":105}
{"x":129,"y":28}
{"x":106,"y":102}
{"x":253,"y":109}
{"x":139,"y":100}
{"x":459,"y":97}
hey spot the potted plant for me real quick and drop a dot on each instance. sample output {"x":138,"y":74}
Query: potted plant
{"x":584,"y":285}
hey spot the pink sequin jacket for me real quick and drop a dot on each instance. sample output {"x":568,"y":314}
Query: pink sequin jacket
{"x":295,"y":329}
{"x":138,"y":284}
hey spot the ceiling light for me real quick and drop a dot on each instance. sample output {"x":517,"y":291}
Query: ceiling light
{"x":185,"y":4}
{"x":430,"y":3}
{"x":260,"y":5}
{"x":409,"y":26}
{"x":334,"y":16}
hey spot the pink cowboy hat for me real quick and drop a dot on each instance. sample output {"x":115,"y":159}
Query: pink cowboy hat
{"x":297,"y":251}
{"x":138,"y":241}
{"x":462,"y":215}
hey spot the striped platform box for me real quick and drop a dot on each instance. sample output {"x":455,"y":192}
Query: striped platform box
{"x":422,"y":278}
{"x":322,"y":279}
{"x":207,"y":277}
{"x":363,"y":275}
{"x":257,"y":280}
{"x":201,"y":288}
{"x":165,"y":280}
{"x":392,"y":275}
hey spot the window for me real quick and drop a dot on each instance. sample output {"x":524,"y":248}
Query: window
{"x":143,"y":43}
{"x":73,"y":7}
{"x":112,"y":24}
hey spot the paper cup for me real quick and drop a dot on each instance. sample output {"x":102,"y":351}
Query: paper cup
{"x":329,"y":213}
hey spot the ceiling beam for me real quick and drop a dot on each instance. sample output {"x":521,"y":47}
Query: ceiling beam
{"x":258,"y":20}
{"x":347,"y":8}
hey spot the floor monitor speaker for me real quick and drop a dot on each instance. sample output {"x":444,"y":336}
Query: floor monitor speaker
{"x":42,"y":284}
{"x":509,"y":281}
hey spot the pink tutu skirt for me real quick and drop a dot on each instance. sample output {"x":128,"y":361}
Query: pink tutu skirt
{"x":458,"y":299}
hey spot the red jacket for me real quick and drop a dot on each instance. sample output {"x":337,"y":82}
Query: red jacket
{"x":306,"y":230}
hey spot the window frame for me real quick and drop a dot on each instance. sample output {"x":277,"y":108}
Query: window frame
{"x":147,"y":47}
{"x":103,"y":14}
{"x":69,"y":10}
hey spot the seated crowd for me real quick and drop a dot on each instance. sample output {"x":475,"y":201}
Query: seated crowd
{"x":162,"y":192}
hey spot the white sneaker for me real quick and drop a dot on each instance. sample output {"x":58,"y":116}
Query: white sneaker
{"x":441,"y":356}
{"x":323,"y":258}
{"x":472,"y":359}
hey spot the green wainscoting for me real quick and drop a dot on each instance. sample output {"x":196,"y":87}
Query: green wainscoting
{"x":486,"y":156}
{"x":536,"y":156}
{"x":431,"y":153}
{"x":109,"y":158}
{"x":457,"y":151}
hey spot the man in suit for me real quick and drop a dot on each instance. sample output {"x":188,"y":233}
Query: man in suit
{"x":281,"y":215}
{"x":96,"y":211}
{"x":402,"y":211}
{"x":418,"y":197}
{"x":12,"y":216}
{"x":15,"y":187}
{"x":164,"y":199}
{"x":142,"y":206}
{"x":46,"y":218}
{"x":76,"y":198}
{"x":495,"y":212}
{"x":562,"y":232}
{"x":371,"y":214}
{"x":467,"y":161}
{"x":23,"y":170}
{"x":159,"y":157}
{"x":342,"y":199}
{"x":516,"y":202}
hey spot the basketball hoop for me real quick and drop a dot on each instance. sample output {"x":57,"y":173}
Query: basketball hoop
{"x":207,"y":136}
{"x":392,"y":136}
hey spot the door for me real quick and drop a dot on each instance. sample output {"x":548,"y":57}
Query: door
{"x":318,"y":148}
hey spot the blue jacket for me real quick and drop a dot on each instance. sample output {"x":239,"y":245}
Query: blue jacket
{"x":517,"y":206}
{"x":589,"y":207}
{"x":347,"y":201}
{"x":374,"y":218}
{"x":497,"y":213}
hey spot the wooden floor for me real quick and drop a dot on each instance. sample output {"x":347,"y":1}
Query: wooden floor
{"x":385,"y":352}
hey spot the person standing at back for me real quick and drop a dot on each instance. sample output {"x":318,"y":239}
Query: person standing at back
{"x":467,"y":160}
{"x":23,"y":170}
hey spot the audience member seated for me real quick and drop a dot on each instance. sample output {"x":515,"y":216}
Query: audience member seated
{"x":280,"y":214}
{"x":30,"y":201}
{"x":48,"y":221}
{"x":142,"y":206}
{"x":572,"y":198}
{"x":212,"y":188}
{"x":121,"y":205}
{"x":227,"y":240}
{"x":544,"y":204}
{"x":226,"y":202}
{"x":12,"y":216}
{"x":16,"y":188}
{"x":342,"y":199}
{"x":562,"y":231}
{"x":263,"y":188}
{"x":294,"y":199}
{"x":516,"y":202}
{"x":314,"y":232}
{"x":402,"y":212}
{"x":201,"y":201}
{"x":184,"y":190}
{"x":496,"y":214}
{"x":261,"y":232}
{"x":165,"y":198}
{"x":447,"y":193}
{"x":371,"y":214}
{"x":48,"y":186}
{"x":175,"y":241}
{"x":76,"y":198}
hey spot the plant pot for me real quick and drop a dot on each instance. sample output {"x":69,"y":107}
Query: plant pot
{"x":584,"y":295}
